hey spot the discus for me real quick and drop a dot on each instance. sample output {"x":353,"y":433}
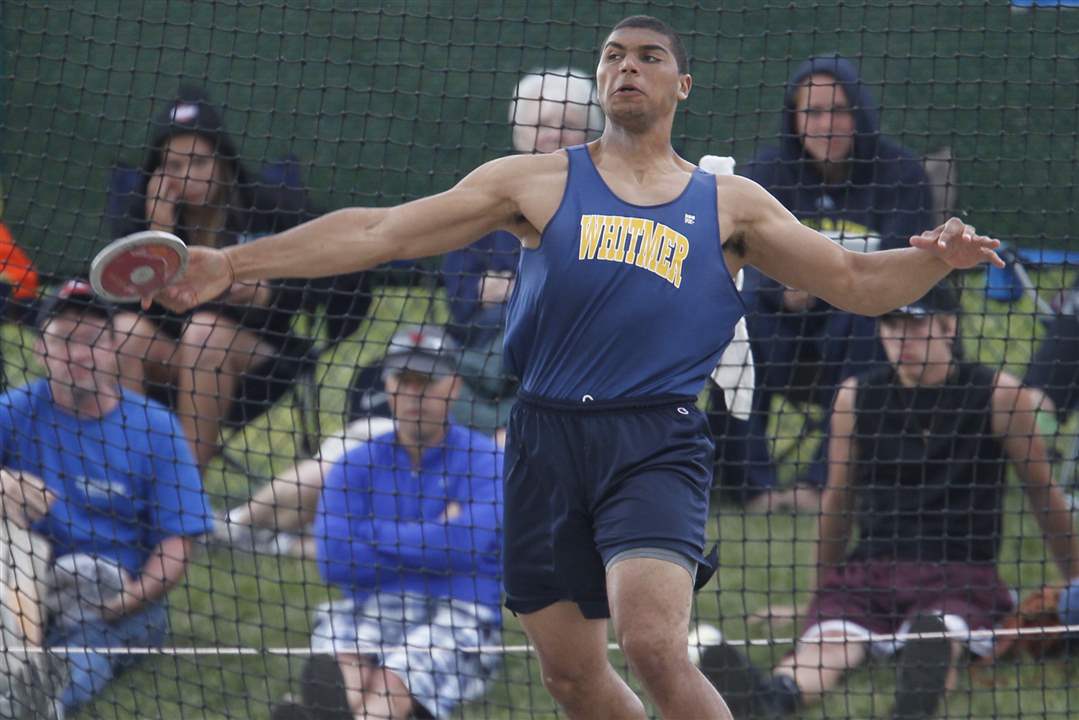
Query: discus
{"x":138,"y":265}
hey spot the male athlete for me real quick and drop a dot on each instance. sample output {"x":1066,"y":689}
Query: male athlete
{"x":624,"y":302}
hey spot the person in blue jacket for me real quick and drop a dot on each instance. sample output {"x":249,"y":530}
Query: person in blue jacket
{"x":838,"y":173}
{"x":103,"y":480}
{"x":409,"y":530}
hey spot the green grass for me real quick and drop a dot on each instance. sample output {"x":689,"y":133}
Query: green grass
{"x":237,"y":599}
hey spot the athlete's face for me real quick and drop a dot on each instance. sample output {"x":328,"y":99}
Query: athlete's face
{"x":823,"y":118}
{"x":919,"y":348}
{"x":638,"y":79}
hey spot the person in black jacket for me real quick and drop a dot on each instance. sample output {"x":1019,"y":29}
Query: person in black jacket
{"x":193,"y":184}
{"x":837,"y":172}
{"x":917,"y":463}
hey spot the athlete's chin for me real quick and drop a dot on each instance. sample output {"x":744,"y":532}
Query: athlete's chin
{"x":633,"y":119}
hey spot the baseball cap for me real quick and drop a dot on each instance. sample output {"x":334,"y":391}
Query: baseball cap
{"x":75,"y":294}
{"x":942,"y":299}
{"x":191,"y":112}
{"x":423,"y":350}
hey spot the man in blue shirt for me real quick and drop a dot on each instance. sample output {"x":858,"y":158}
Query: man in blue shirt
{"x":408,"y":529}
{"x":107,"y":480}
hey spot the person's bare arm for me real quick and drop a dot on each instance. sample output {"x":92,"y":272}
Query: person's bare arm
{"x":24,"y":499}
{"x":354,"y":239}
{"x":837,"y":502}
{"x":771,"y":239}
{"x":164,"y":568}
{"x":1015,"y":410}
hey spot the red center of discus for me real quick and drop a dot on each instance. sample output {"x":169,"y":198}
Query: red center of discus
{"x":141,"y":270}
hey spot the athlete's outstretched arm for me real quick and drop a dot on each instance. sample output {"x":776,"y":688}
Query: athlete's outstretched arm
{"x":863,"y":283}
{"x":360,"y":238}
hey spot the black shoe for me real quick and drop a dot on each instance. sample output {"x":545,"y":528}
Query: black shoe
{"x":746,"y":690}
{"x":290,"y":710}
{"x":323,"y":689}
{"x":923,"y":671}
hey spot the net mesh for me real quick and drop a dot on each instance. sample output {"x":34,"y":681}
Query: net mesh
{"x":279,"y":398}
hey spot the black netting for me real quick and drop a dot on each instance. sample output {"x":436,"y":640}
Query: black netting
{"x":317,"y":474}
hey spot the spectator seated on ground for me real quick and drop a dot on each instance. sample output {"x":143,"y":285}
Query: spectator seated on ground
{"x":917,"y":462}
{"x":408,"y":529}
{"x":278,"y":515}
{"x":836,"y":172}
{"x":103,"y":480}
{"x":193,"y":184}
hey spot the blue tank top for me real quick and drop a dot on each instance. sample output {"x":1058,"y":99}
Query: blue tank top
{"x":620,"y":300}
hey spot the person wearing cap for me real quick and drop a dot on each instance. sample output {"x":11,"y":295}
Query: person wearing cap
{"x":408,"y":528}
{"x":104,"y":481}
{"x":278,"y":515}
{"x":917,"y":463}
{"x":193,"y":184}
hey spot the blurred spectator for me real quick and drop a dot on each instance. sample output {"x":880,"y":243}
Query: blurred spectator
{"x":550,"y":110}
{"x":102,"y":479}
{"x":917,"y":461}
{"x":408,"y":528}
{"x":18,"y":286}
{"x":836,"y":171}
{"x":18,"y":279}
{"x":193,"y":184}
{"x":1055,"y":365}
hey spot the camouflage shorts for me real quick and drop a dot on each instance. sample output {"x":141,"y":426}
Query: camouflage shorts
{"x":430,"y":643}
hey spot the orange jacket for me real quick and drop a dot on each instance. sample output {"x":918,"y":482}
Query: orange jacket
{"x":16,"y":269}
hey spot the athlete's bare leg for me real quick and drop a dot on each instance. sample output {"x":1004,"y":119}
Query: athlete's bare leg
{"x":650,"y":606}
{"x":573,"y":659}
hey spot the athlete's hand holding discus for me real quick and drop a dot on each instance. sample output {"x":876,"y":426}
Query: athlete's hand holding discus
{"x":208,"y":276}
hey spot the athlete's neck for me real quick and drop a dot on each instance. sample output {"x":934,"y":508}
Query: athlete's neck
{"x":641,"y":151}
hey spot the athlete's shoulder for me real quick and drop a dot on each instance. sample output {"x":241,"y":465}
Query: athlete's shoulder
{"x":531,"y":164}
{"x":515,"y":172}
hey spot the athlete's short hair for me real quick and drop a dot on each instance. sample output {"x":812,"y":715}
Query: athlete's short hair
{"x":559,"y":85}
{"x":647,"y":22}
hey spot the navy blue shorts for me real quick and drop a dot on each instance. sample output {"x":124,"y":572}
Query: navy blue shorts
{"x":585,"y":482}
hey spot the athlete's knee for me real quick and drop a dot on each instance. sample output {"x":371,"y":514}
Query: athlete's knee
{"x":571,"y":682}
{"x":654,"y":652}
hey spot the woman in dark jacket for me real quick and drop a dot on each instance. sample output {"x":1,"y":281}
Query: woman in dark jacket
{"x":192,"y":184}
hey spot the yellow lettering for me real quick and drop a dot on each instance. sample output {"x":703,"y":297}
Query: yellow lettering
{"x":650,"y":242}
{"x":612,"y":237}
{"x":660,"y":240}
{"x":663,"y":260}
{"x":637,"y":226}
{"x":681,"y":250}
{"x":634,"y":241}
{"x":590,"y":231}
